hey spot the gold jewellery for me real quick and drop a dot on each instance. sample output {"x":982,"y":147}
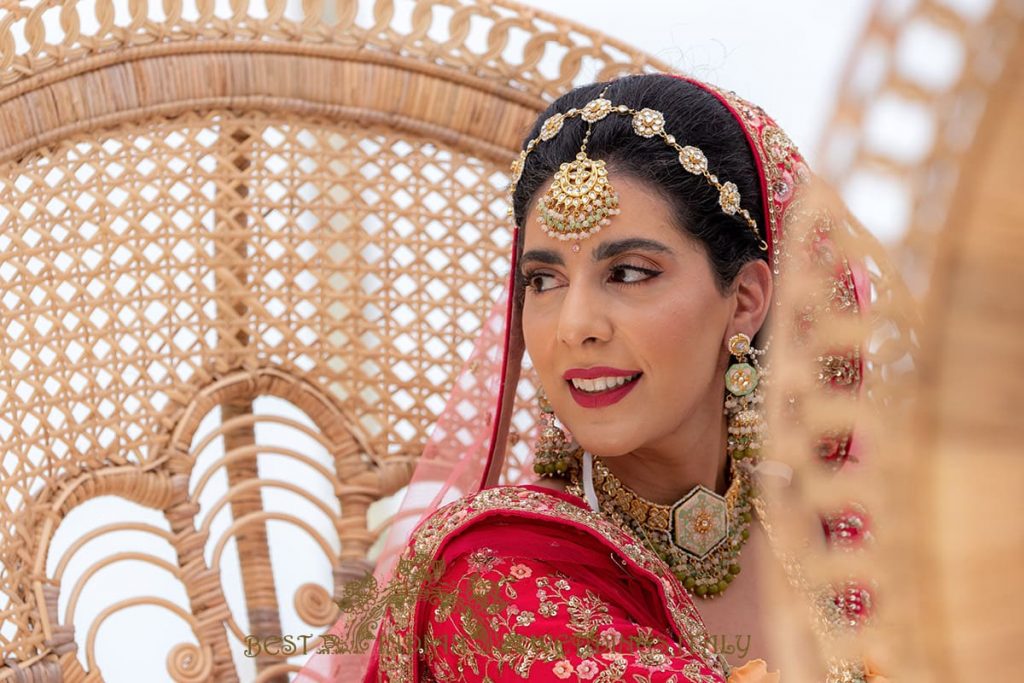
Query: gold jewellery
{"x":553,"y":455}
{"x":701,"y":535}
{"x":581,"y":198}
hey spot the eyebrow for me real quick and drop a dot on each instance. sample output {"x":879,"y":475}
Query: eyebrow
{"x":603,"y":251}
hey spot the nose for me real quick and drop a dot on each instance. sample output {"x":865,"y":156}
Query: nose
{"x":582,"y":317}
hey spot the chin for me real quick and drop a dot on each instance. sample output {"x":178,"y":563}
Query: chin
{"x":603,"y":448}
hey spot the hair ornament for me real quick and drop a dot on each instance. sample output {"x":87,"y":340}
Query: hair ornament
{"x":581,"y":199}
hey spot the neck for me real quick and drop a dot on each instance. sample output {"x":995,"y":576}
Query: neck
{"x":664,"y":474}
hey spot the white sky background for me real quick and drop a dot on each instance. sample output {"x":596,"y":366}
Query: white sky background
{"x":784,"y":55}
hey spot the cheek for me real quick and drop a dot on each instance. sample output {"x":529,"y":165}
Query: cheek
{"x":683,"y":337}
{"x":537,"y":337}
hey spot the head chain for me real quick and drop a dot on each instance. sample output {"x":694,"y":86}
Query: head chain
{"x":574,"y":187}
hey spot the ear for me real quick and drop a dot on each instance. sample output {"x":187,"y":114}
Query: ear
{"x":752,"y":293}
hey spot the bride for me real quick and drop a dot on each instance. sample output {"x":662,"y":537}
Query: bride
{"x":649,"y":234}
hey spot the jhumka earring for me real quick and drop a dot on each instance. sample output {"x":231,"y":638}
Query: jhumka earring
{"x":553,"y":454}
{"x":743,"y":381}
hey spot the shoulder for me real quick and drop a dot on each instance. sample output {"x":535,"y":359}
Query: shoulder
{"x":528,"y":613}
{"x":512,"y":560}
{"x":501,"y":499}
{"x":504,"y":508}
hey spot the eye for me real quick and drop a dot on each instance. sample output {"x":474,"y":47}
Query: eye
{"x":538,"y":281}
{"x":631,"y":275}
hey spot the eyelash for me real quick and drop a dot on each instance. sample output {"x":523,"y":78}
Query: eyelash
{"x":526,"y":278}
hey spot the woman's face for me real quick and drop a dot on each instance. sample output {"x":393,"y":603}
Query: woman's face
{"x":638,"y":302}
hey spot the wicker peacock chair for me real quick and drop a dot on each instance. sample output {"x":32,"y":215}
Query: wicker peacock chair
{"x":219,"y":217}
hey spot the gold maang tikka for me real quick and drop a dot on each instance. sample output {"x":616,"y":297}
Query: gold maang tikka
{"x":581,"y":199}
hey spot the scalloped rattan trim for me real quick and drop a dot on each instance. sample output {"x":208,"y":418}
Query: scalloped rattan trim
{"x":545,"y":37}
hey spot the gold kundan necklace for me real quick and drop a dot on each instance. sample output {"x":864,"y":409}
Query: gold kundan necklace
{"x":699,"y":537}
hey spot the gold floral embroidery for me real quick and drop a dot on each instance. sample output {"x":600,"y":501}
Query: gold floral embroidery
{"x":838,"y":370}
{"x":483,"y":559}
{"x":842,"y":294}
{"x":397,"y":637}
{"x":478,"y":652}
{"x":779,"y":146}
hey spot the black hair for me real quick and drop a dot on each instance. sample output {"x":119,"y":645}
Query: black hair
{"x":695,"y":117}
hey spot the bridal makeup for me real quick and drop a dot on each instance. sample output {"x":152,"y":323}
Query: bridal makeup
{"x":626,"y":335}
{"x":600,"y":386}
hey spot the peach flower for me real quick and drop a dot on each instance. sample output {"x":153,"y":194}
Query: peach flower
{"x":754,"y":671}
{"x":563,"y":669}
{"x":587,"y":670}
{"x":521,"y":571}
{"x":610,"y":637}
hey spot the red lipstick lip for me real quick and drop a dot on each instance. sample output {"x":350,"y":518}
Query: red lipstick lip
{"x":599,"y":371}
{"x":603,"y":398}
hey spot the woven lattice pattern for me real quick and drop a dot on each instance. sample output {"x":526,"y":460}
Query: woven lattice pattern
{"x":140,"y":265}
{"x":203,"y":206}
{"x":335,"y":250}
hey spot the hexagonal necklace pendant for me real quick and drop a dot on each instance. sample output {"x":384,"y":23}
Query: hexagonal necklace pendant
{"x":699,"y":522}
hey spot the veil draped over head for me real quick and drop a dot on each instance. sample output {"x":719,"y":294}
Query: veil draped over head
{"x":484,"y":436}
